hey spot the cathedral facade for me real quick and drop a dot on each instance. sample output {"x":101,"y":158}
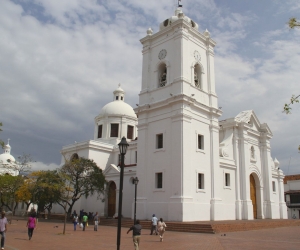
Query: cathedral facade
{"x":191,"y":165}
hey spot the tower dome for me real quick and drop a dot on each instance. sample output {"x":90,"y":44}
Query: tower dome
{"x":118,"y":107}
{"x":7,"y":160}
{"x":116,"y":119}
{"x":178,"y":15}
{"x":6,"y":157}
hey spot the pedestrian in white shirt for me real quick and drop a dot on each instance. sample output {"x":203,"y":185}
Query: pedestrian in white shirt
{"x":3,"y":228}
{"x":154,"y":225}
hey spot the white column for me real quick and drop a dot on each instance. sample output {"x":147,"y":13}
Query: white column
{"x":247,"y":208}
{"x":216,"y":202}
{"x":282,"y":204}
{"x":267,"y":174}
{"x":238,"y":203}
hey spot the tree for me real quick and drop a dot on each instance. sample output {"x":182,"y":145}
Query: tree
{"x":9,"y":186}
{"x":293,"y":23}
{"x":47,"y":189}
{"x":83,"y":178}
{"x":287,"y":107}
{"x":1,"y":142}
{"x":24,"y":193}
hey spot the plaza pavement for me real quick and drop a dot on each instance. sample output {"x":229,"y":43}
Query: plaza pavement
{"x":48,"y":235}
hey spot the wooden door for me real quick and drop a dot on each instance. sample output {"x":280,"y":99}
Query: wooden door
{"x":253,"y":196}
{"x":111,"y":200}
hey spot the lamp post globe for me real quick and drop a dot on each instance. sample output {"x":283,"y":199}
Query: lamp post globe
{"x":123,"y":145}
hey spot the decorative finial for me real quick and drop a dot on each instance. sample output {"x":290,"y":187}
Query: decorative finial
{"x":206,"y":33}
{"x":119,"y":85}
{"x":8,"y":141}
{"x":179,"y":4}
{"x":149,"y":31}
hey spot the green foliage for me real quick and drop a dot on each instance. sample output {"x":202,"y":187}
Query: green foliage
{"x":46,"y":188}
{"x":287,"y":107}
{"x":9,"y":186}
{"x":83,"y":178}
{"x":293,"y":23}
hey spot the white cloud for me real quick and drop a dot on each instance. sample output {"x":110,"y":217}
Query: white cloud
{"x":58,"y":67}
{"x":36,"y":166}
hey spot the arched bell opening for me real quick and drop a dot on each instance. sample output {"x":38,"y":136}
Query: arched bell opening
{"x":198,"y":76}
{"x":162,"y":74}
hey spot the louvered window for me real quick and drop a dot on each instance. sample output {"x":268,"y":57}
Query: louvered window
{"x":100,"y":131}
{"x":114,"y":130}
{"x":129,"y":132}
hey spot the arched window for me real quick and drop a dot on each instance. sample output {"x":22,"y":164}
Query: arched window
{"x":162,"y":74}
{"x":197,"y":76}
{"x":74,"y":157}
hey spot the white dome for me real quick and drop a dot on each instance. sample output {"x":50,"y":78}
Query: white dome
{"x":178,"y":15}
{"x":6,"y":158}
{"x":117,"y":108}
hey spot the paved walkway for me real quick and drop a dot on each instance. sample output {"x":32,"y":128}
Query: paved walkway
{"x":48,"y":235}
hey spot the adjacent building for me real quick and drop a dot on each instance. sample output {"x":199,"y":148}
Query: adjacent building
{"x":292,"y":195}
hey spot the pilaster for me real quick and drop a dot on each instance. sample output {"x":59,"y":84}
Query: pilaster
{"x":267,"y":174}
{"x":238,"y":203}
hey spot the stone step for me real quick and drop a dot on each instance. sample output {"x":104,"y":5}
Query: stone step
{"x":171,"y":226}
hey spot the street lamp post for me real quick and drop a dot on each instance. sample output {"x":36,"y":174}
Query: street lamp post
{"x":123,"y":148}
{"x":135,"y":181}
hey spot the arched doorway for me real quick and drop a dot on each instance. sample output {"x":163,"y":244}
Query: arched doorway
{"x":111,"y":199}
{"x":253,"y":195}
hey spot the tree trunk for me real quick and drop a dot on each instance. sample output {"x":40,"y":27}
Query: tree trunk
{"x":65,"y":221}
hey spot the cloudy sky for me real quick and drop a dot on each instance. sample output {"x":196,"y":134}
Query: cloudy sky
{"x":60,"y":61}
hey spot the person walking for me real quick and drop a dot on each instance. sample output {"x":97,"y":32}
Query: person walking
{"x":81,"y":213}
{"x":96,"y":221}
{"x":31,"y":224}
{"x":74,"y":213}
{"x":3,"y":228}
{"x":136,"y":234}
{"x":84,"y":221}
{"x":154,"y":224}
{"x":75,"y":221}
{"x":161,"y":228}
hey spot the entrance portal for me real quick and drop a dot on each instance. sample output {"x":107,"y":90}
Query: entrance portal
{"x":253,"y":195}
{"x":111,"y":199}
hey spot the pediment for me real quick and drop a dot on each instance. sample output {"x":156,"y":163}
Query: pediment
{"x":250,"y":118}
{"x":111,"y":169}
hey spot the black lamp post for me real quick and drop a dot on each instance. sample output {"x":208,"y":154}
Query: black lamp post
{"x":123,"y":148}
{"x":135,"y":181}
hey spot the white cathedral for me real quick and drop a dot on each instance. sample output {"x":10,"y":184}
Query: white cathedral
{"x":190,"y":165}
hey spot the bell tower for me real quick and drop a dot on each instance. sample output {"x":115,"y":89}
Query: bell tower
{"x":178,"y":131}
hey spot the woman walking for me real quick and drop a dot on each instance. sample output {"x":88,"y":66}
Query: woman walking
{"x":161,"y":228}
{"x":31,"y":224}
